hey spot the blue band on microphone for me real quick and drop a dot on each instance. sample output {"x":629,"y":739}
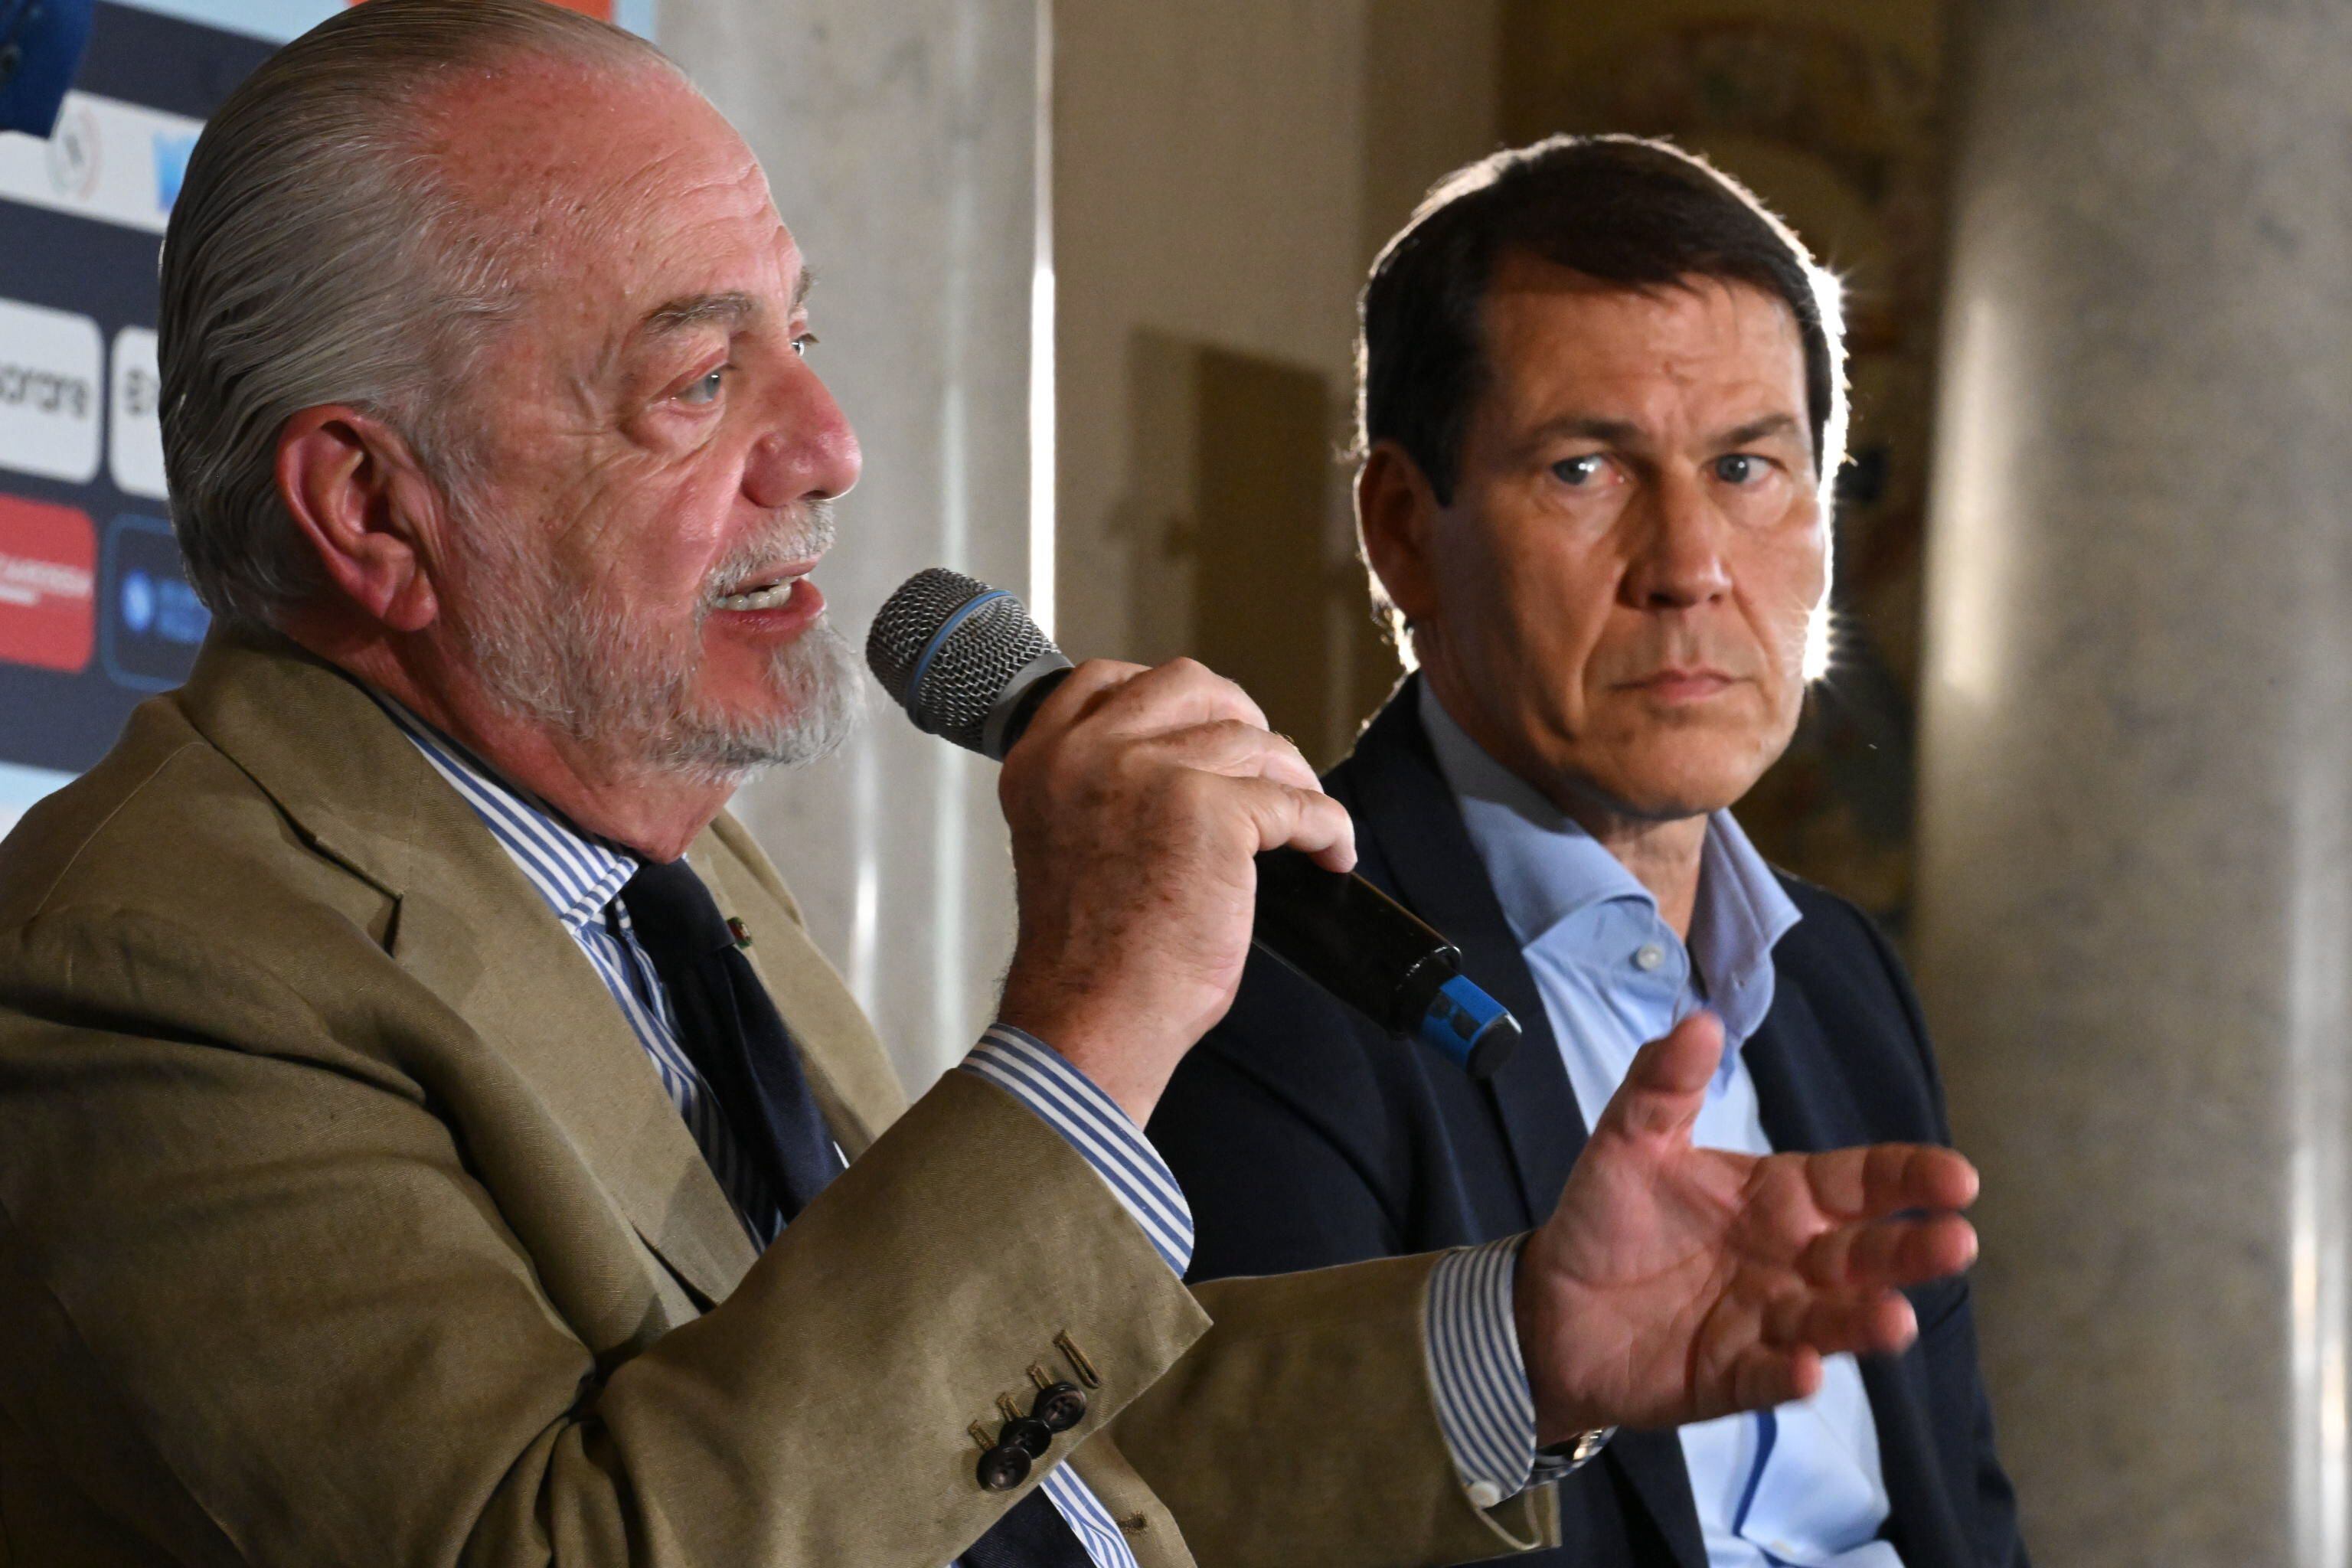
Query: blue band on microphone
{"x":1463,"y":1022}
{"x":914,"y":704}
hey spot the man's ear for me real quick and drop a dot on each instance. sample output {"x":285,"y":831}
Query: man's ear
{"x":367,"y":509}
{"x":1397,"y":512}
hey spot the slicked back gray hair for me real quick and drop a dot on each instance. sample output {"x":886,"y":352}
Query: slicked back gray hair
{"x":314,"y":257}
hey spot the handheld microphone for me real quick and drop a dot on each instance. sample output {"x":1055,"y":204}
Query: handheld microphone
{"x":968,"y":664}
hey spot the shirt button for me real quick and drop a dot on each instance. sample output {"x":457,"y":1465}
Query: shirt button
{"x":1648,"y":956}
{"x":1484,"y":1494}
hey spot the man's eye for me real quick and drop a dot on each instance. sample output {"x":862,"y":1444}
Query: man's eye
{"x":1580,"y":471}
{"x":706,"y":390}
{"x":1739,"y":468}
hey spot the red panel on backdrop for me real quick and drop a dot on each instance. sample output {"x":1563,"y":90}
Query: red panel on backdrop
{"x":49,"y":584}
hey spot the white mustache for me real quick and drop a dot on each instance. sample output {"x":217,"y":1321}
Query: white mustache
{"x":801,"y":534}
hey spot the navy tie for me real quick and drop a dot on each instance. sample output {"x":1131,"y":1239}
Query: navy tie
{"x":729,"y":1027}
{"x":732,"y":1032}
{"x":1032,"y":1535}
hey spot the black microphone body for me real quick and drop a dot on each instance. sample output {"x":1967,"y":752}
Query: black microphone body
{"x":968,"y":664}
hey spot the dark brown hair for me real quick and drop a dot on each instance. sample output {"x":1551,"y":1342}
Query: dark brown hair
{"x":1616,"y":208}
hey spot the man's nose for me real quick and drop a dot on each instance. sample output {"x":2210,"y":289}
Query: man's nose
{"x":807,"y":451}
{"x":1678,"y":550}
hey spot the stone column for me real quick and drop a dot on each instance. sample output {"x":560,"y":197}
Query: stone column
{"x":2136,"y":808}
{"x":903,"y":144}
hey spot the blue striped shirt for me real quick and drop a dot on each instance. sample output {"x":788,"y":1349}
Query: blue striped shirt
{"x":1479,"y":1381}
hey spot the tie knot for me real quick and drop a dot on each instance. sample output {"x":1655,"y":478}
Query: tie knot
{"x":672,"y":912}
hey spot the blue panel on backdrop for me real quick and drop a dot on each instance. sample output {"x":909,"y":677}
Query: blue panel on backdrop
{"x":41,"y":43}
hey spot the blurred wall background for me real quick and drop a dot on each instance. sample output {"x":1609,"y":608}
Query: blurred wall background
{"x":902,"y":144}
{"x":1223,"y":174}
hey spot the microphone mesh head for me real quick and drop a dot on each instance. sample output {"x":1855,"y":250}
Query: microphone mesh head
{"x":969,"y":669}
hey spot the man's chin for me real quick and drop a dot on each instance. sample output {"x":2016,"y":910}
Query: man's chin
{"x":800,"y":710}
{"x":1673,"y":790}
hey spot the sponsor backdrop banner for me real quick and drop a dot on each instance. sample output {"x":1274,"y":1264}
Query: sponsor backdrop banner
{"x":94,"y":613}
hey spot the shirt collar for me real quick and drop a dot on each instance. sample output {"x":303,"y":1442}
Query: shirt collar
{"x":1742,"y":913}
{"x":576,"y":873}
{"x":1546,"y":869}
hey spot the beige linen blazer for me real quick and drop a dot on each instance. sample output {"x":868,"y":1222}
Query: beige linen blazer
{"x":343,"y":1221}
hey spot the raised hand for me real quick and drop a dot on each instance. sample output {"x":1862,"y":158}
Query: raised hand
{"x":1675,"y":1284}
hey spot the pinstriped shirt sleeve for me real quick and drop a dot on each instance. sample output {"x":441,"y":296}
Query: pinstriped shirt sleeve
{"x":1484,"y":1407}
{"x":1476,"y":1375}
{"x":1107,"y":1137}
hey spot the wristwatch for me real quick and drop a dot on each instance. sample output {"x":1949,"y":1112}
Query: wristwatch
{"x":1575,"y":1453}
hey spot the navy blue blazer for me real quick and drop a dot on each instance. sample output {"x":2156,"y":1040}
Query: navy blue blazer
{"x":1305,"y":1137}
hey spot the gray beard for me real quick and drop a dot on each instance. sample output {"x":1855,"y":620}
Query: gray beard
{"x":559,"y":656}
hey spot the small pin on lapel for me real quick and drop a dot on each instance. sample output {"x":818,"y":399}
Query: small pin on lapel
{"x":741,"y":933}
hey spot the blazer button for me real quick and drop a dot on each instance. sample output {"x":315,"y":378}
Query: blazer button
{"x":1032,"y":1438}
{"x":1002,"y":1468}
{"x":1060,"y":1408}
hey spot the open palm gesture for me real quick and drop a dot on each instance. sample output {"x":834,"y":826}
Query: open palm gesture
{"x":1675,"y":1284}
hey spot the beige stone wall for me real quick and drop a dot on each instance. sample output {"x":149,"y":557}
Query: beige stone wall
{"x":1223,"y":172}
{"x":2135,"y":846}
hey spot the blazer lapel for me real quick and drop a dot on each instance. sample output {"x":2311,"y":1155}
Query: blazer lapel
{"x":1919,"y":1511}
{"x":1405,"y":806}
{"x":846,"y":1064}
{"x":539,"y":1003}
{"x":472,"y":930}
{"x":1805,"y":1106}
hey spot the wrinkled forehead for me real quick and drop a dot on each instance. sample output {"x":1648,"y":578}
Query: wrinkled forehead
{"x":1694,"y":312}
{"x":1549,"y":333}
{"x":603,"y":183}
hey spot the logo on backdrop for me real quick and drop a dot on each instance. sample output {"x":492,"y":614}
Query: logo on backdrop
{"x":171,"y":151}
{"x":74,"y":154}
{"x":51,"y":380}
{"x":154,"y":622}
{"x":49,"y":584}
{"x":134,"y":436}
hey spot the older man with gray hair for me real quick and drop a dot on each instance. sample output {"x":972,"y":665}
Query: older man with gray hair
{"x":426,"y":1134}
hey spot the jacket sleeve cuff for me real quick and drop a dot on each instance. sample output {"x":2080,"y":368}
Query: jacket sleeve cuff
{"x":1069,"y":1102}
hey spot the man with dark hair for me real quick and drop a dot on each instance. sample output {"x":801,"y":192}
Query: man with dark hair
{"x":1601,"y":405}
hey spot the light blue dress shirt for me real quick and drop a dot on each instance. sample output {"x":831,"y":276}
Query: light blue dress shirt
{"x":1798,"y":1486}
{"x":1472,"y":1347}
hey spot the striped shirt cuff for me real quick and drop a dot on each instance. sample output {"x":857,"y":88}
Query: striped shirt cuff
{"x":1484,"y":1406}
{"x":1038,"y":1076}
